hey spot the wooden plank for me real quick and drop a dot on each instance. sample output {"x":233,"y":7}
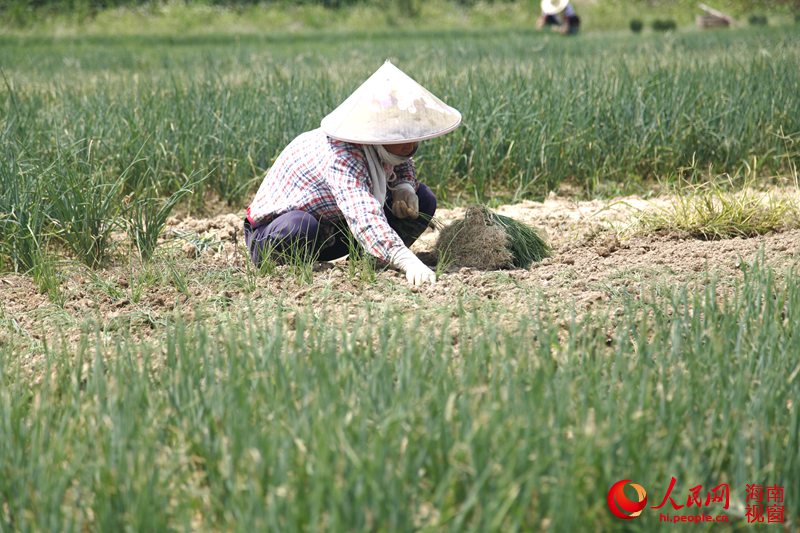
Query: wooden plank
{"x":716,"y":13}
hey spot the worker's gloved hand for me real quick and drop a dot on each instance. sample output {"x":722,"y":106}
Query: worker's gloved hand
{"x":405,"y":202}
{"x":416,"y":272}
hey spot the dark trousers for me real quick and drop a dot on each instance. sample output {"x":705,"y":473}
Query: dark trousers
{"x":326,"y":240}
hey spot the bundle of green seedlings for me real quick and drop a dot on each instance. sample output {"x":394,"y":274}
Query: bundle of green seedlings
{"x":489,"y":241}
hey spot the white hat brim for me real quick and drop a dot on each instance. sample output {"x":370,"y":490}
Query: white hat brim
{"x":390,"y":108}
{"x":554,"y":7}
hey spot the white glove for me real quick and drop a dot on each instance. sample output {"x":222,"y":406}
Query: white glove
{"x":405,"y":202}
{"x":416,"y":272}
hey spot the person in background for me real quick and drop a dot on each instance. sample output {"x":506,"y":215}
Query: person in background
{"x":353,"y":179}
{"x":559,"y":15}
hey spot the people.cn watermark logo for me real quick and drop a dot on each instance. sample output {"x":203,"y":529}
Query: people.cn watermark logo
{"x":761,"y":507}
{"x":623,"y":507}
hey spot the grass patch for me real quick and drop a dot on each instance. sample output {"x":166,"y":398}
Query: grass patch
{"x":711,"y":212}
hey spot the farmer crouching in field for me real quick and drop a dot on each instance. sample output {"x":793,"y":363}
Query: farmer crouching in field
{"x":353,"y":179}
{"x":560,"y":15}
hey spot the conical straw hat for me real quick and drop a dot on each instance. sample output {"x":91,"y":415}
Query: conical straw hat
{"x":553,"y":7}
{"x":390,"y":108}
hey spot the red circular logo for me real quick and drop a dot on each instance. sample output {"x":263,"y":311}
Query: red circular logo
{"x":621,"y":506}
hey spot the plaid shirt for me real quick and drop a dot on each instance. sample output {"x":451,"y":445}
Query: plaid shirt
{"x":330,"y":180}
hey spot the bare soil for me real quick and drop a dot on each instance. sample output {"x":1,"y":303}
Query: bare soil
{"x":201,"y":272}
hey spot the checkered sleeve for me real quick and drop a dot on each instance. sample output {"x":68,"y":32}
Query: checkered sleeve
{"x":348,"y":179}
{"x":406,"y":172}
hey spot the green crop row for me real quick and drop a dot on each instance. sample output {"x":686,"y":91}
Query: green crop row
{"x":455,"y":424}
{"x":90,"y":126}
{"x":81,"y":17}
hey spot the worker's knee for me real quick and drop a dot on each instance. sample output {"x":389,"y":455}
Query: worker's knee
{"x":295,"y":229}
